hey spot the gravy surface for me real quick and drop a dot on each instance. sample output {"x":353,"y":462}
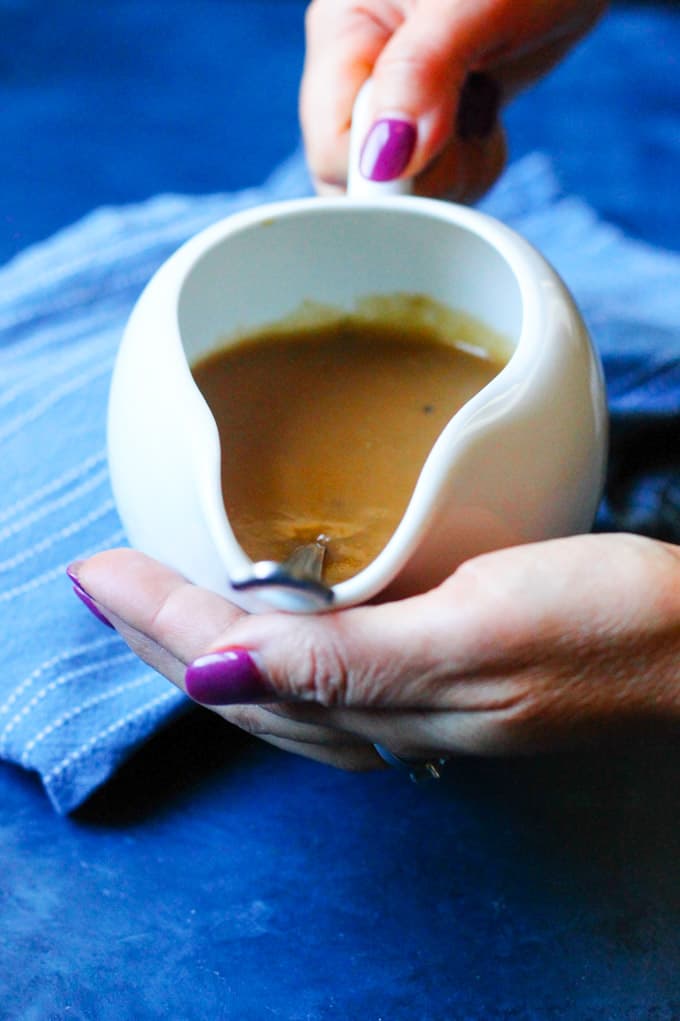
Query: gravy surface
{"x":324,"y":429}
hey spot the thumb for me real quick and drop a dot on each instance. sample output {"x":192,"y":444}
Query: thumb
{"x":389,"y":654}
{"x":419,"y":62}
{"x":372,"y":656}
{"x":424,"y":97}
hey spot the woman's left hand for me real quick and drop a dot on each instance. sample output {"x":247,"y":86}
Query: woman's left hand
{"x":520,"y":650}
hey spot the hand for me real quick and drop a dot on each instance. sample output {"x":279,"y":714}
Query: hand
{"x":437,"y":121}
{"x":525,"y":649}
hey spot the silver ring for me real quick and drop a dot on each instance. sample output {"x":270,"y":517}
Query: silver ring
{"x":418,"y":771}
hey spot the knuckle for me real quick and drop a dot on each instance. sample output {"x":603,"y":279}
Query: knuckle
{"x":411,"y":69}
{"x":326,"y":674}
{"x":161,"y":621}
{"x":540,"y":714}
{"x":473,"y":573}
{"x":315,"y":16}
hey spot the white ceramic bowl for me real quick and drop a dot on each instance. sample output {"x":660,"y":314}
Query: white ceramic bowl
{"x":522,"y":461}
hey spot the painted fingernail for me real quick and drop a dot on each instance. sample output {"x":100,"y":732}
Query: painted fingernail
{"x":85,"y":598}
{"x":227,"y":677}
{"x":480,"y":101}
{"x":387,"y":150}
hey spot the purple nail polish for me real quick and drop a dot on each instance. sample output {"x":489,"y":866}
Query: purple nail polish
{"x":480,"y":101}
{"x":387,"y":150}
{"x":87,"y":600}
{"x":228,"y":677}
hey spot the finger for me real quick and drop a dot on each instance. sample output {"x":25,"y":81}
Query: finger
{"x":155,"y":602}
{"x":419,"y":82}
{"x":352,"y":759}
{"x":429,"y":734}
{"x":343,"y":43}
{"x":515,"y":70}
{"x":394,"y":654}
{"x":421,"y":57}
{"x":167,"y":622}
{"x":465,"y":171}
{"x":489,"y":54}
{"x":150,"y":652}
{"x":255,"y":720}
{"x":261,"y":722}
{"x":235,"y":659}
{"x":419,"y":62}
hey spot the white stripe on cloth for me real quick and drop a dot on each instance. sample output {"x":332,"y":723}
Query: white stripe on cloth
{"x":48,"y":689}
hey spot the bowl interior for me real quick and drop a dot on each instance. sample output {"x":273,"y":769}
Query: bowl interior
{"x":334,"y":254}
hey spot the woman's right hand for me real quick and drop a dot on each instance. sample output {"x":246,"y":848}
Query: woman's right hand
{"x":441,"y":71}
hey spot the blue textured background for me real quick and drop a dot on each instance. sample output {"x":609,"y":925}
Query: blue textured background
{"x":221,"y":879}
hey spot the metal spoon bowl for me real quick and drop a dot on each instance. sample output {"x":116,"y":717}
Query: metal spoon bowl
{"x":301,"y":572}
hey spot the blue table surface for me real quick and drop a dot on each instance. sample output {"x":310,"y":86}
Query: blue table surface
{"x":216,"y":877}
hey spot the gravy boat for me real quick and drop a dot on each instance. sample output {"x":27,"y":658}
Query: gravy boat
{"x":522,"y":461}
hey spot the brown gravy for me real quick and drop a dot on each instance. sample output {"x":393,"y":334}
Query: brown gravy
{"x":325,"y":428}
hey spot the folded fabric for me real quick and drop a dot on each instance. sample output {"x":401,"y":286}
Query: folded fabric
{"x":74,"y":702}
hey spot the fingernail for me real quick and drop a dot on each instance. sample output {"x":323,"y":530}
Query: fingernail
{"x":227,"y":677}
{"x":480,"y":101}
{"x":387,"y":150}
{"x":72,"y":571}
{"x":85,"y":598}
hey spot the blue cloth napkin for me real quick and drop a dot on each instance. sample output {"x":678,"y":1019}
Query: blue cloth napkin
{"x":74,"y":702}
